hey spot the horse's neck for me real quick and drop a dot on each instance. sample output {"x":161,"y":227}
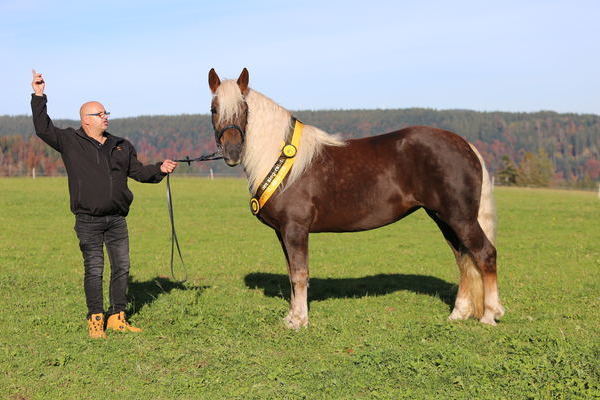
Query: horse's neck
{"x":268,"y":124}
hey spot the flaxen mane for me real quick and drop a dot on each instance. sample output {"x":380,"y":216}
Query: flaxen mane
{"x":268,"y":125}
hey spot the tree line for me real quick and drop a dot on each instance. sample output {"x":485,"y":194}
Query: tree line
{"x":534,"y":149}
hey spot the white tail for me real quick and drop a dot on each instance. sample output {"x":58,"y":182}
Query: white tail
{"x":487,"y":208}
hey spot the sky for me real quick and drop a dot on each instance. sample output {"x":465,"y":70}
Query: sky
{"x":153,"y":57}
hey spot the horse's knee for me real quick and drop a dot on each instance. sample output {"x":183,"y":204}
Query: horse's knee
{"x":299,"y":277}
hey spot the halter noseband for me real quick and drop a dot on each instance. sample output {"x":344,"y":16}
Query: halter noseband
{"x":219,"y":134}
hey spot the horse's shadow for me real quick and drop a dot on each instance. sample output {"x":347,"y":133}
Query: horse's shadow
{"x":144,"y":293}
{"x":278,"y":285}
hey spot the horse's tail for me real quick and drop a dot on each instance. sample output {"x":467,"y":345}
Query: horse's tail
{"x":487,"y":207}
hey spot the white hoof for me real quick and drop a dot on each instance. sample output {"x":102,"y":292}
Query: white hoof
{"x":294,"y":322}
{"x":459,"y":315}
{"x":488,"y":319}
{"x":499,"y":312}
{"x":492,"y":314}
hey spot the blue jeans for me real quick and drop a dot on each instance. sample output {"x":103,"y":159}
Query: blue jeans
{"x":93,"y":233}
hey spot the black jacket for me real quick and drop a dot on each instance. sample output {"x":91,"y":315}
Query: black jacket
{"x":97,"y":172}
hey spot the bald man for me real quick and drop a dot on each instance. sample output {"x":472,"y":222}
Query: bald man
{"x":98,"y":165}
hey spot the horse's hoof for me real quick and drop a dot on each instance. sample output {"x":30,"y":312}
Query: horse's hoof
{"x":488,"y":319}
{"x":295,"y":323}
{"x":492,"y":314}
{"x":499,"y":312}
{"x":458,"y":315}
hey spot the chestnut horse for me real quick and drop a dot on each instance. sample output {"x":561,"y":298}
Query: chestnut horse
{"x":360,"y":184}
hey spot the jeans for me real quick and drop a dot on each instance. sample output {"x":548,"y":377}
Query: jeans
{"x":93,"y":233}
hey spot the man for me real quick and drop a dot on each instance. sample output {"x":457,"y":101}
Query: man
{"x":98,"y":165}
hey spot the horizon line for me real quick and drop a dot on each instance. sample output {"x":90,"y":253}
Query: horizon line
{"x":541,"y":111}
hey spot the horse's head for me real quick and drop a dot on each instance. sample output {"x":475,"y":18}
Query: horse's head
{"x":229,"y":115}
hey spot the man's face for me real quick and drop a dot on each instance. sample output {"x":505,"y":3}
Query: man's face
{"x":94,"y":116}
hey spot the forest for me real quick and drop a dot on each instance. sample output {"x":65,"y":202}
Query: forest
{"x":526,"y":149}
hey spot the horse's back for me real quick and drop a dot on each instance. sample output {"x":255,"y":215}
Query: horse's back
{"x":435,"y":168}
{"x":412,"y":140}
{"x":417,"y":156}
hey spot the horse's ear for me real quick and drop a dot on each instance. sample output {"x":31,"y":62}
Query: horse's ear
{"x":213,"y":80}
{"x":243,"y":81}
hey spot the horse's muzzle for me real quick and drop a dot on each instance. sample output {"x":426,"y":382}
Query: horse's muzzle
{"x":232,"y":154}
{"x":230,"y":162}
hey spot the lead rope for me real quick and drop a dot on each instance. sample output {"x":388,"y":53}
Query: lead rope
{"x":174,"y":241}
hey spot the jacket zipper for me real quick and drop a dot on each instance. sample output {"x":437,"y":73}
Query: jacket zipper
{"x":109,"y":172}
{"x":110,"y":181}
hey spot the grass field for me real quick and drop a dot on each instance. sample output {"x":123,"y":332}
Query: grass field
{"x":379,"y":303}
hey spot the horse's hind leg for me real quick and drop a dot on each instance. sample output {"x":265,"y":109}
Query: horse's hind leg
{"x":469,"y":298}
{"x":483,"y":253}
{"x":294,"y":241}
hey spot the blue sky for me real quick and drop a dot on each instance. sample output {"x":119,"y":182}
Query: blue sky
{"x":141,"y":58}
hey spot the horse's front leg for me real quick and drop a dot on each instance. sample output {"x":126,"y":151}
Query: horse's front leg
{"x":294,"y":240}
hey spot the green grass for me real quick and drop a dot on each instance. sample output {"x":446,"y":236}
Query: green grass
{"x":379,"y":303}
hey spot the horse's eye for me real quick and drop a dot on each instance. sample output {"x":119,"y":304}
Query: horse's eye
{"x":213,"y":110}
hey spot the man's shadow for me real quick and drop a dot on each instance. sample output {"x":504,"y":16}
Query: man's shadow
{"x":278,"y":285}
{"x":144,"y":293}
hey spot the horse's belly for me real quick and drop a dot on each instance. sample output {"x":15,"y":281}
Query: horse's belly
{"x":362,"y":210}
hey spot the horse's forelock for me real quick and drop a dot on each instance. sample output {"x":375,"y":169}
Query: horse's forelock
{"x":230,"y":100}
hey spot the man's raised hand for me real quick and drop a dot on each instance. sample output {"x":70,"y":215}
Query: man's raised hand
{"x":38,"y":83}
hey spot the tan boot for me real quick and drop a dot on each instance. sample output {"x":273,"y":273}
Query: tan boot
{"x":117,"y":322}
{"x":96,"y":326}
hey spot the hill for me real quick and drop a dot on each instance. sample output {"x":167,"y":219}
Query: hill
{"x":565,"y":146}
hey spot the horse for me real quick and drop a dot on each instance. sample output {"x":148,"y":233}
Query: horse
{"x":337,"y":185}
